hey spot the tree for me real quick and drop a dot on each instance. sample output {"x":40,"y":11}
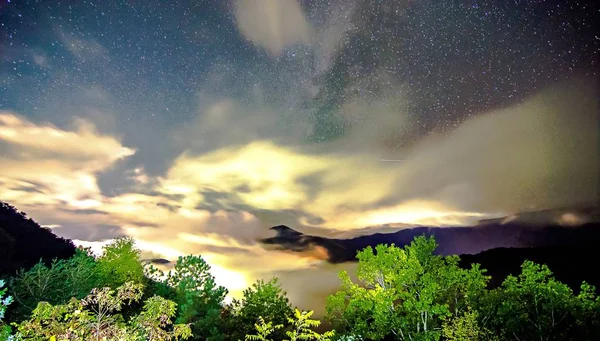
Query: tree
{"x":199,"y":298}
{"x":97,"y":317}
{"x":56,"y":284}
{"x":120,"y":263}
{"x":302,"y":328}
{"x":535,"y":306}
{"x":405,"y":293}
{"x":154,"y":323}
{"x":92,"y":318}
{"x":262,"y":300}
{"x":5,"y":301}
{"x":264,"y":330}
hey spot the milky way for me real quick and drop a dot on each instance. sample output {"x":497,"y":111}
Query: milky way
{"x":196,"y":125}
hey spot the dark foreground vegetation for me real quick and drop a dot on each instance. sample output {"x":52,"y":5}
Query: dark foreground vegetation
{"x":407,"y":293}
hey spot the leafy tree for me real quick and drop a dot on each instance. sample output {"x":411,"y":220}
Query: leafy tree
{"x":120,"y":263}
{"x":199,"y":298}
{"x":535,"y":305}
{"x":262,"y":299}
{"x":302,"y":328}
{"x":405,"y":293}
{"x":264,"y":330}
{"x":92,"y":318}
{"x":56,"y":284}
{"x":103,"y":302}
{"x":96,"y":317}
{"x":5,"y":301}
{"x":154,"y":322}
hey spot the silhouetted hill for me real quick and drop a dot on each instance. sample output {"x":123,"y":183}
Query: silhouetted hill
{"x":451,"y":240}
{"x":499,"y":246}
{"x":23,"y":242}
{"x":570,"y":264}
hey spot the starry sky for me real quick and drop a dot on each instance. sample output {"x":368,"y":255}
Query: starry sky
{"x":193,"y":126}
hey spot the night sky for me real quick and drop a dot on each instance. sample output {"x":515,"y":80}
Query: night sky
{"x":194,"y":126}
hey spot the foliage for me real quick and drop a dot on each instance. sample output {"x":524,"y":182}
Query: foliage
{"x":406,"y":293}
{"x":535,"y":305}
{"x":155,"y":320}
{"x":302,"y":328}
{"x":300,"y":324}
{"x":120,"y":263}
{"x":402,"y":293}
{"x":92,"y":318}
{"x":263,"y":330}
{"x":96,"y":317}
{"x":73,"y":277}
{"x":262,"y":300}
{"x":465,"y":327}
{"x":198,"y":296}
{"x":5,"y":301}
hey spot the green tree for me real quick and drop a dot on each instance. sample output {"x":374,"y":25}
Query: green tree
{"x":154,"y":323}
{"x":263,"y":330}
{"x":93,"y":318}
{"x":302,"y":328}
{"x":535,"y":306}
{"x":405,"y":293}
{"x":120,"y":263}
{"x":263,"y":299}
{"x":97,"y":317}
{"x":73,"y":277}
{"x":5,"y":301}
{"x":199,"y":299}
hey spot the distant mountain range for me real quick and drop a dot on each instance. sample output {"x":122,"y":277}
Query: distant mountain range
{"x":499,"y":245}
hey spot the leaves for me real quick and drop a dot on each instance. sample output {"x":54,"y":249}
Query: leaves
{"x":404,"y":292}
{"x":155,"y":320}
{"x":264,"y":330}
{"x":198,"y":296}
{"x":302,"y":328}
{"x":96,"y":318}
{"x":120,"y":263}
{"x":262,"y":300}
{"x":5,"y":301}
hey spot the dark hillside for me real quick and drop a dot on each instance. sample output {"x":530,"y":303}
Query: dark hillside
{"x":23,"y":242}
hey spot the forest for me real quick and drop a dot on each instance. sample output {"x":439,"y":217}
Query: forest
{"x":397,"y":293}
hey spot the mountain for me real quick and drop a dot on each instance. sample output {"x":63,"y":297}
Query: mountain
{"x":23,"y":242}
{"x":499,"y":245}
{"x":451,"y":240}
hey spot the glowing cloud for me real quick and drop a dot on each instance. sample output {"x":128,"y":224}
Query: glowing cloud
{"x":44,"y":164}
{"x":272,"y":24}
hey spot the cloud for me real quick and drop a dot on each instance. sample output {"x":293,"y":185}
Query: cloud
{"x":85,"y":50}
{"x":49,"y":171}
{"x":218,"y":199}
{"x":59,"y":164}
{"x":272,"y":24}
{"x":533,"y":155}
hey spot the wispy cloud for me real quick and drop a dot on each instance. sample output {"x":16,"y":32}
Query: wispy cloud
{"x":85,"y":50}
